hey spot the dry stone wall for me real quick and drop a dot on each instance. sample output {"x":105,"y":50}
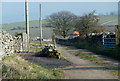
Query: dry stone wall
{"x":1,"y":51}
{"x":10,"y":44}
{"x":7,"y":43}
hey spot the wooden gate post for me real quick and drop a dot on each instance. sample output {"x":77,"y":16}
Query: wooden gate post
{"x":117,"y":30}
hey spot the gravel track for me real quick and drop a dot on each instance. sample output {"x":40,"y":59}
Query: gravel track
{"x":46,"y":61}
{"x":83,"y":69}
{"x":73,"y":66}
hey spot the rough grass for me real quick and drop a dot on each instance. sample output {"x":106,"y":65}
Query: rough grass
{"x":99,"y":49}
{"x":96,"y":48}
{"x":98,"y":61}
{"x":22,"y":69}
{"x":92,"y":58}
{"x":35,"y":46}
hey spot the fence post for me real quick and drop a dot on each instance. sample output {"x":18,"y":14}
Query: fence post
{"x":117,"y":30}
{"x":24,"y":42}
{"x":103,"y":38}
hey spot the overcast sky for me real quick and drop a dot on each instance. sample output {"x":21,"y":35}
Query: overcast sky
{"x":14,"y":11}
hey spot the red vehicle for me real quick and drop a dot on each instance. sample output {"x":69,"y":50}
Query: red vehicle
{"x":76,"y":33}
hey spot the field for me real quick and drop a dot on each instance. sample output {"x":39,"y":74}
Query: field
{"x":109,"y":20}
{"x":106,"y":21}
{"x":35,"y":32}
{"x":34,"y":23}
{"x":34,"y":29}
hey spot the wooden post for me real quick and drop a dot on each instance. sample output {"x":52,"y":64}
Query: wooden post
{"x":27,"y":23}
{"x":53,"y":40}
{"x":41,"y":38}
{"x":117,"y":30}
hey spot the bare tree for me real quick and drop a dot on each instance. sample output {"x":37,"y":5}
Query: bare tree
{"x":62,"y":22}
{"x":86,"y":24}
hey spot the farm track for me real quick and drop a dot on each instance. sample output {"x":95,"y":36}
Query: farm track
{"x":73,"y":66}
{"x":83,"y":69}
{"x":46,"y":61}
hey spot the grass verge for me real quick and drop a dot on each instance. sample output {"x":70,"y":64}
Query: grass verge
{"x":14,"y":67}
{"x":94,"y":47}
{"x":98,"y":61}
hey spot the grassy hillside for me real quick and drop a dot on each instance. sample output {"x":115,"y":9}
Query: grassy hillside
{"x":106,"y":21}
{"x":35,"y":32}
{"x":34,"y":23}
{"x":34,"y":29}
{"x":109,"y":20}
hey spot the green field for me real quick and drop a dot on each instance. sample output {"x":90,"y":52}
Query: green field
{"x":107,"y":21}
{"x":33,"y":23}
{"x":35,"y":32}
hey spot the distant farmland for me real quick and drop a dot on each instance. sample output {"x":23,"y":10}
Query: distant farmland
{"x":34,"y":23}
{"x":34,"y":29}
{"x":35,"y":32}
{"x":107,"y":22}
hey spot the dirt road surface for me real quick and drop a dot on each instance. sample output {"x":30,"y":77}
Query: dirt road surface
{"x":83,"y":69}
{"x":73,"y":66}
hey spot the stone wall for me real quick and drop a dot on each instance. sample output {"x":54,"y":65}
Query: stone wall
{"x":10,"y":44}
{"x":7,"y":43}
{"x":1,"y":51}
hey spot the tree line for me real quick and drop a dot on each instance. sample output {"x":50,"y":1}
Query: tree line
{"x":64,"y":21}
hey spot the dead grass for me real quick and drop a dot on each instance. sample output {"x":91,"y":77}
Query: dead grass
{"x":26,"y":70}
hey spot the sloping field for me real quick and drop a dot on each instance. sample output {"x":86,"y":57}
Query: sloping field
{"x":34,"y":23}
{"x":35,"y":32}
{"x":106,"y":21}
{"x":109,"y":22}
